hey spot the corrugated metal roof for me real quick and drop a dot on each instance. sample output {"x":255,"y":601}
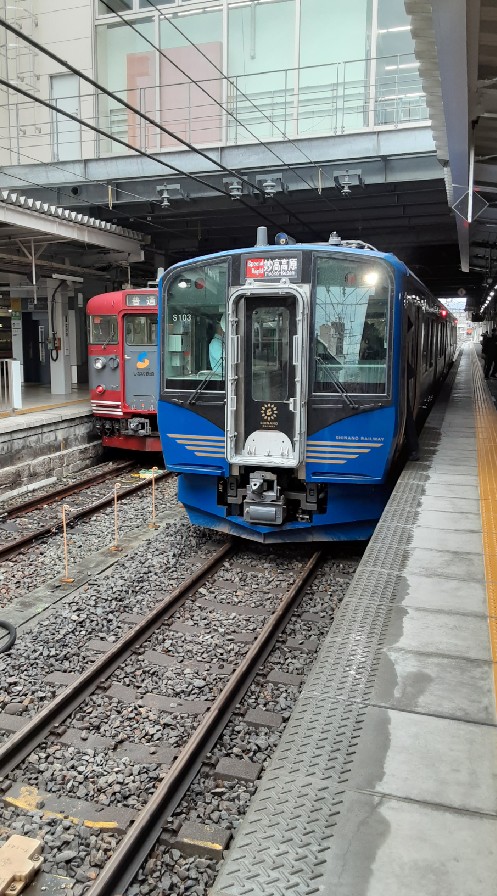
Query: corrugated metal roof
{"x":63,"y":214}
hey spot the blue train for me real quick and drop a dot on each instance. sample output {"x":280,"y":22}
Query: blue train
{"x":291,"y":377}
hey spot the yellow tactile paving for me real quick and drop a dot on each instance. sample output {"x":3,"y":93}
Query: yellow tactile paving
{"x":486,"y":442}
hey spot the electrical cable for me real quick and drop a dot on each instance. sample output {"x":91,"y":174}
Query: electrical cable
{"x":106,"y":208}
{"x":128,"y":106}
{"x":54,"y":351}
{"x":216,"y":101}
{"x":119,"y":140}
{"x":169,"y":19}
{"x":12,"y":635}
{"x":148,"y":119}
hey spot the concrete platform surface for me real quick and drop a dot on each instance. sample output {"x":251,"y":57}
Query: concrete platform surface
{"x":385,"y":780}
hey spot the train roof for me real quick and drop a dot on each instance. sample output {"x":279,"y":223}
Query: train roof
{"x":112,"y":302}
{"x":295,"y":247}
{"x":355,"y":247}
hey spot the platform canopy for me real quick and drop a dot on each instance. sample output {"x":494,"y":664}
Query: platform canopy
{"x":456,"y":46}
{"x":51,"y":239}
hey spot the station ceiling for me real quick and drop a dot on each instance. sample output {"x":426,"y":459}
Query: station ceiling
{"x":401,"y":191}
{"x":387,"y":189}
{"x":456,"y":46}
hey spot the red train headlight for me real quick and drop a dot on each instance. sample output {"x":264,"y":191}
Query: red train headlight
{"x":100,"y":390}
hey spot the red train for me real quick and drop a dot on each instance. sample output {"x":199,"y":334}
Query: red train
{"x":122,"y":368}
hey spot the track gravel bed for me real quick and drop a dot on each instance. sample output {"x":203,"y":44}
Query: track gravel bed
{"x":68,"y":480}
{"x":44,"y":560}
{"x":250,"y":588}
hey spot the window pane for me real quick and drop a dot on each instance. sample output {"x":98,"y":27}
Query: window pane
{"x":351,"y":325}
{"x":140,"y":329}
{"x":103,"y":329}
{"x":66,"y":134}
{"x":116,"y":6}
{"x":185,"y":108}
{"x":333,"y":87}
{"x":261,"y":62}
{"x":144,"y":4}
{"x":270,"y":347}
{"x":195,"y":327}
{"x":126,"y":65}
{"x":399,"y":92}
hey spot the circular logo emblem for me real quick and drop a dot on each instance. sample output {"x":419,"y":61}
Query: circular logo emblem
{"x":269,"y":413}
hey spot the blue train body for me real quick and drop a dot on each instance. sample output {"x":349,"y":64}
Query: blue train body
{"x":290,"y":376}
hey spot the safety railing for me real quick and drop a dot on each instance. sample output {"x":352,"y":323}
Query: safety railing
{"x":313,"y":101}
{"x":10,"y":385}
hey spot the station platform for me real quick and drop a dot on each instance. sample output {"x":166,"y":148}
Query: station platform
{"x":385,"y":780}
{"x":37,"y":399}
{"x":52,"y":435}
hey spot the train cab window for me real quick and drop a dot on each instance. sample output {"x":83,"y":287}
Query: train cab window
{"x":270,"y":354}
{"x":351,"y":325}
{"x":140,"y":329}
{"x":194,"y":328}
{"x":102,"y":329}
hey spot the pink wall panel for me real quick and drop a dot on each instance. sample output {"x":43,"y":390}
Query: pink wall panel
{"x":141,"y":93}
{"x":185,"y":109}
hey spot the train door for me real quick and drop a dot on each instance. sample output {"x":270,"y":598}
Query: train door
{"x":140,"y":361}
{"x":266,"y":363}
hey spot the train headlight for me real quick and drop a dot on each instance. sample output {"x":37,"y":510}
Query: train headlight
{"x":99,"y":363}
{"x":100,"y":390}
{"x":370,"y":278}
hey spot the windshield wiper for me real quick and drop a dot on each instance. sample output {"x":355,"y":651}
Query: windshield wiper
{"x":336,"y":382}
{"x":201,"y":386}
{"x":105,"y":344}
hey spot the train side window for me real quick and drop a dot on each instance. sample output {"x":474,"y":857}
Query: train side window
{"x":429,"y":347}
{"x":102,"y":329}
{"x":426,"y":338}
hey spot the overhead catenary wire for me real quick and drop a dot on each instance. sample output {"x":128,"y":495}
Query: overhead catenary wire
{"x":75,"y":71}
{"x":218,"y":102}
{"x":169,"y":19}
{"x":120,"y":141}
{"x":65,"y":64}
{"x":116,"y":212}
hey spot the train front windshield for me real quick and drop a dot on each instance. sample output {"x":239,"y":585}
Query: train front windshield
{"x":351,"y":324}
{"x":102,"y":329}
{"x":195,"y":327}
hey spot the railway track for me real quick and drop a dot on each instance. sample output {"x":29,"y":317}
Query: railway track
{"x":246,"y":626}
{"x":42,"y":500}
{"x":44,"y":504}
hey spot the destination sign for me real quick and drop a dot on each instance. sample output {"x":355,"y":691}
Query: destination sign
{"x":274,"y":267}
{"x":140,"y":300}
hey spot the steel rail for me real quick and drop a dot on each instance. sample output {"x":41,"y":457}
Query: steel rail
{"x":24,"y":741}
{"x":146,"y":829}
{"x":66,"y":490}
{"x":13,"y":546}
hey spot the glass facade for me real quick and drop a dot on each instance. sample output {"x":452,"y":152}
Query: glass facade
{"x":230,"y":71}
{"x":190,"y":84}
